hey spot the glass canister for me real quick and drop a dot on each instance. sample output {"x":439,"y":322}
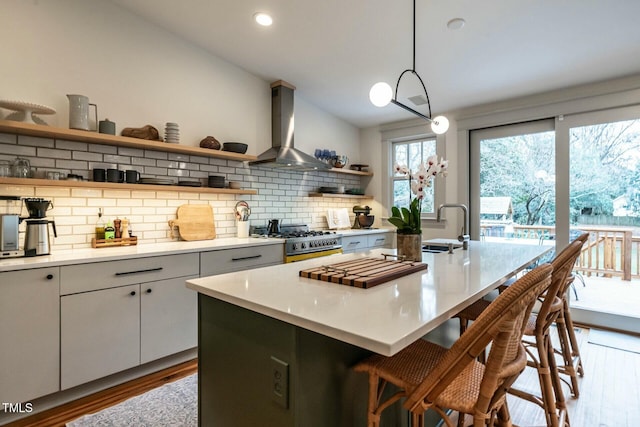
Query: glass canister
{"x":11,"y":205}
{"x":5,"y":168}
{"x":21,"y":168}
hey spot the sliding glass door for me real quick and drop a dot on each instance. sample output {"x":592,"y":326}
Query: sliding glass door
{"x":513,"y":182}
{"x":543,"y":182}
{"x":603,"y":198}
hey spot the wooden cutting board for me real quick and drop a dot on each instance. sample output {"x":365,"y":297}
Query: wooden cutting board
{"x":364,"y":272}
{"x":195,"y":222}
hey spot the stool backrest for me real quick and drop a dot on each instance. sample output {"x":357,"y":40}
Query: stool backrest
{"x":502,"y":325}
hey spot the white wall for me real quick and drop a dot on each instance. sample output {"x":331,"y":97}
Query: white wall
{"x":138,"y":74}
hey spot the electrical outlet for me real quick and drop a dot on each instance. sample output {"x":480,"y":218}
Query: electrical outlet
{"x":280,"y":382}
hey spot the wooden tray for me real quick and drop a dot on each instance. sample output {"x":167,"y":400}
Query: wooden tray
{"x":364,"y":272}
{"x":108,"y":243}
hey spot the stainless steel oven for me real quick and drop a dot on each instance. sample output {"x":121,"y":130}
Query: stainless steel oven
{"x":302,"y":243}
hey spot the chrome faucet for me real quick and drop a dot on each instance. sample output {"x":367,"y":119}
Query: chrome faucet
{"x":464,"y":236}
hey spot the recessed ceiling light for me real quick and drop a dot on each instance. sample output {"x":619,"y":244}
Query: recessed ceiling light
{"x":263,"y":19}
{"x":456,"y":23}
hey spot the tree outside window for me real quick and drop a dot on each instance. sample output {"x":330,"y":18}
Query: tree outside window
{"x":412,"y":154}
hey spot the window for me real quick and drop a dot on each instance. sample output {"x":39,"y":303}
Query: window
{"x":411,"y":154}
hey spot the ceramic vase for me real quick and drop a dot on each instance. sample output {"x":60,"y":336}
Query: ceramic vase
{"x":410,"y":246}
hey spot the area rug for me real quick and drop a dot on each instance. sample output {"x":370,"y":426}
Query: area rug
{"x":614,"y":340}
{"x":174,"y":404}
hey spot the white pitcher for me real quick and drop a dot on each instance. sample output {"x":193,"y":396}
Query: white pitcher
{"x":79,"y":112}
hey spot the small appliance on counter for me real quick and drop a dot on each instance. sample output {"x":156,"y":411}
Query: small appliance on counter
{"x":37,"y":240}
{"x":363,"y":219}
{"x":10,"y":207}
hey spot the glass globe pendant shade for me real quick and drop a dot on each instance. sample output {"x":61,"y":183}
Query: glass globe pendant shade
{"x":439,"y":124}
{"x":380,"y":94}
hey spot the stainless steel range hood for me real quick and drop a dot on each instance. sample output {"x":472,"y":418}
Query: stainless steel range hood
{"x":282,"y":154}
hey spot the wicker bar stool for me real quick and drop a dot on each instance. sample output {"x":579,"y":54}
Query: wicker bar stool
{"x":537,"y":339}
{"x":569,"y":349}
{"x":432,"y":377}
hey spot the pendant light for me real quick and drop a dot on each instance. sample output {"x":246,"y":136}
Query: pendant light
{"x":381,"y":93}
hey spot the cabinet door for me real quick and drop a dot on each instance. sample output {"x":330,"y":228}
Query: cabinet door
{"x":30,"y":340}
{"x":168,"y":318}
{"x":100,"y":334}
{"x":354,"y":243}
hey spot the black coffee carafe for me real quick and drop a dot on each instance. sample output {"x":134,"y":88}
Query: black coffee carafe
{"x":274,"y":227}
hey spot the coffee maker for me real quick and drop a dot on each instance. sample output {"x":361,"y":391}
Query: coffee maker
{"x":10,"y":207}
{"x":37,"y":240}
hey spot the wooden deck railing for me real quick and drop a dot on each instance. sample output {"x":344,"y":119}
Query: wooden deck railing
{"x":610,"y":251}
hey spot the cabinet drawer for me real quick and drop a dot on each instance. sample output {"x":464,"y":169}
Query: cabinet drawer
{"x":227,"y":260}
{"x":110,"y":274}
{"x":354,"y":243}
{"x":379,"y":240}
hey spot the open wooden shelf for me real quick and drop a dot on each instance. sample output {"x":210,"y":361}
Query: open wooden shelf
{"x":121,"y":186}
{"x":351,"y":171}
{"x":344,"y":196}
{"x":21,"y":128}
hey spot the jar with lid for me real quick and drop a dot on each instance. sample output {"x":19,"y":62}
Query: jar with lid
{"x":5,"y":168}
{"x":21,"y":168}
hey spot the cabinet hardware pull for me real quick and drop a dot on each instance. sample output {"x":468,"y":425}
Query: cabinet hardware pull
{"x":132,"y":293}
{"x":354,"y":243}
{"x":49,"y":276}
{"x":139,"y":271}
{"x":148,"y":291}
{"x":246,"y":257}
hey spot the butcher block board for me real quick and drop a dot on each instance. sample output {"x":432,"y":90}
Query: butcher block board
{"x":195,"y":222}
{"x":363,"y":272}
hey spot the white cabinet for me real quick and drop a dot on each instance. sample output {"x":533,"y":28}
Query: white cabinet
{"x":116,"y":315}
{"x":29,"y":347}
{"x":100,"y":334}
{"x":361,"y":242}
{"x":237,"y":259}
{"x":168,"y":318}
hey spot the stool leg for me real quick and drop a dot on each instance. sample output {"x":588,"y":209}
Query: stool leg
{"x":543,"y":344}
{"x":575,"y":349}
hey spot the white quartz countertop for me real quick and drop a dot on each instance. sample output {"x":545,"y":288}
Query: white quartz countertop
{"x":362,"y":231}
{"x":79,"y":256}
{"x":385,"y":318}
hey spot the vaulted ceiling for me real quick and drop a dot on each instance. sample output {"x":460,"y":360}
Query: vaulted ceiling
{"x":335,"y":50}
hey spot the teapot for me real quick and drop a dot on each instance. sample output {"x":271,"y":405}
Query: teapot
{"x":274,"y":226}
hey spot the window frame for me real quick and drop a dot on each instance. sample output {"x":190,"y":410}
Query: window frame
{"x":416,"y":131}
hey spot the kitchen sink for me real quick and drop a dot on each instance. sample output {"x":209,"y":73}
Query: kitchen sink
{"x":436,"y":248}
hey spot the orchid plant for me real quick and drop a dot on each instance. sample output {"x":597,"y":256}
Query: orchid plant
{"x":407,"y":220}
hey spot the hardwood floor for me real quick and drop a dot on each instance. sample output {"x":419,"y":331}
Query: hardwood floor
{"x":609,"y":392}
{"x":61,"y":415}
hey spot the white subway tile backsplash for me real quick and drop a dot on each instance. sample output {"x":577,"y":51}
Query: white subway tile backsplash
{"x":53,"y":153}
{"x":7,"y":138}
{"x":35,"y":141}
{"x":84,"y":155}
{"x":85,"y":192}
{"x":114,"y":158}
{"x":72,"y":164}
{"x":150,"y":154}
{"x":116,"y":194}
{"x":101,"y":202}
{"x":133,"y":152}
{"x":52,"y":192}
{"x":136,"y":194}
{"x":142,"y":161}
{"x":17,"y":150}
{"x":71,"y":145}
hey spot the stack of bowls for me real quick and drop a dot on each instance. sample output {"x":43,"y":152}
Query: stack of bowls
{"x":171,"y":133}
{"x":216,"y":181}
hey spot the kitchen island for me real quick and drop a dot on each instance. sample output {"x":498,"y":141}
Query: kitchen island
{"x":276,"y":349}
